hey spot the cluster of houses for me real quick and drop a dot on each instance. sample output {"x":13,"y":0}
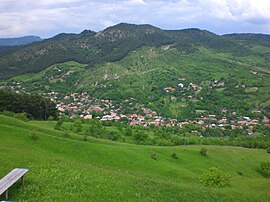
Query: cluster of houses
{"x":81,"y":105}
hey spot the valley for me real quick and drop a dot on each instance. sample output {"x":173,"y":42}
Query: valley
{"x":137,"y":113}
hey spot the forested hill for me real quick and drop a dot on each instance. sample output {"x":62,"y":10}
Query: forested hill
{"x":114,"y":43}
{"x":19,"y":40}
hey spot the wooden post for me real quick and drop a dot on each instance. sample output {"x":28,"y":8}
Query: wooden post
{"x":7,"y":194}
{"x":22,"y":180}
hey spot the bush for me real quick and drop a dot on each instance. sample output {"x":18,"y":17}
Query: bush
{"x":66,"y":134}
{"x":268,"y":150}
{"x":215,"y":177}
{"x":34,"y":134}
{"x":85,"y":136}
{"x":154,"y":156}
{"x":59,"y":124}
{"x":203,"y":151}
{"x":174,"y":155}
{"x":264,"y":169}
{"x":51,"y":118}
{"x":21,"y":116}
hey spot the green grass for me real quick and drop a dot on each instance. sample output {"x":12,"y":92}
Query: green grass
{"x":63,"y":169}
{"x":71,"y":65}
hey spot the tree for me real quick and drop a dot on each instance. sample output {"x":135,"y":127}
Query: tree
{"x":77,"y":125}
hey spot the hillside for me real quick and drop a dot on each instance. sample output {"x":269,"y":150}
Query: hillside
{"x":19,"y":40}
{"x":113,"y":44}
{"x":186,"y":75}
{"x":68,"y":168}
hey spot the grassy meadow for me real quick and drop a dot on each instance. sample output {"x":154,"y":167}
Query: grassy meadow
{"x":70,"y":169}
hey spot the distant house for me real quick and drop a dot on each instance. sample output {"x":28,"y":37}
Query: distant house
{"x":97,"y":109}
{"x":254,"y":121}
{"x":87,"y":117}
{"x":222,"y":121}
{"x":169,"y":89}
{"x":134,"y":123}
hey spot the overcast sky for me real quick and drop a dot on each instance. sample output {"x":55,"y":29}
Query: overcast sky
{"x":47,"y":18}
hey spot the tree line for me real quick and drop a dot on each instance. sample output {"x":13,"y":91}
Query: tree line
{"x":34,"y":105}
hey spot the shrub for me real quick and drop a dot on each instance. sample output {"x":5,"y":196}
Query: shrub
{"x":239,"y":173}
{"x":174,"y":155}
{"x":77,"y":125}
{"x":203,"y":151}
{"x":215,"y":177}
{"x":268,"y":150}
{"x":21,"y":116}
{"x":59,"y":124}
{"x":85,"y":136}
{"x":154,"y":156}
{"x":51,"y":118}
{"x":264,"y":169}
{"x":66,"y":134}
{"x":33,"y":134}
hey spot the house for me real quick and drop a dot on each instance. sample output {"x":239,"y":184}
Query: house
{"x":122,"y":116}
{"x":87,"y":117}
{"x":265,"y":119}
{"x":169,"y":89}
{"x":97,"y":109}
{"x":106,"y":118}
{"x":60,"y":109}
{"x":222,"y":121}
{"x":134,"y":123}
{"x":244,"y":122}
{"x":254,"y":121}
{"x":181,"y":85}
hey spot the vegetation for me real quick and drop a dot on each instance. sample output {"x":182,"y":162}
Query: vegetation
{"x":215,"y":177}
{"x":27,"y":105}
{"x":264,"y":169}
{"x":199,"y":87}
{"x":203,"y":151}
{"x":99,"y":169}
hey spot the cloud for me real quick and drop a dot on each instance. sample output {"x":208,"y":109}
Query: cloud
{"x":50,"y":17}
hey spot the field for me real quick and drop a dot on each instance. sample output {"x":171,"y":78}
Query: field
{"x":70,"y":169}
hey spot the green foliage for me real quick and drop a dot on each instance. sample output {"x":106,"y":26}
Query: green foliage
{"x":59,"y":124}
{"x":85,"y":136}
{"x":264,"y":169}
{"x":66,"y":134}
{"x":154,"y":156}
{"x":77,"y":126}
{"x":21,"y":116}
{"x":7,"y":113}
{"x":174,"y":155}
{"x":203,"y":151}
{"x":140,"y":137}
{"x":51,"y":118}
{"x":35,"y":106}
{"x":268,"y":150}
{"x":215,"y":177}
{"x":123,"y":170}
{"x":33,"y":134}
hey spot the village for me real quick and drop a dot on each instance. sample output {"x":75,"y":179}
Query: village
{"x":81,"y":105}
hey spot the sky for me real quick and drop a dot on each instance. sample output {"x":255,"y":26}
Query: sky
{"x":47,"y":18}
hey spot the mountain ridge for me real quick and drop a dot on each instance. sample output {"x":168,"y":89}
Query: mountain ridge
{"x":18,"y":41}
{"x":111,"y":44}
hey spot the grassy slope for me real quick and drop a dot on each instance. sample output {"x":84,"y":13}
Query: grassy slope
{"x":63,"y":169}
